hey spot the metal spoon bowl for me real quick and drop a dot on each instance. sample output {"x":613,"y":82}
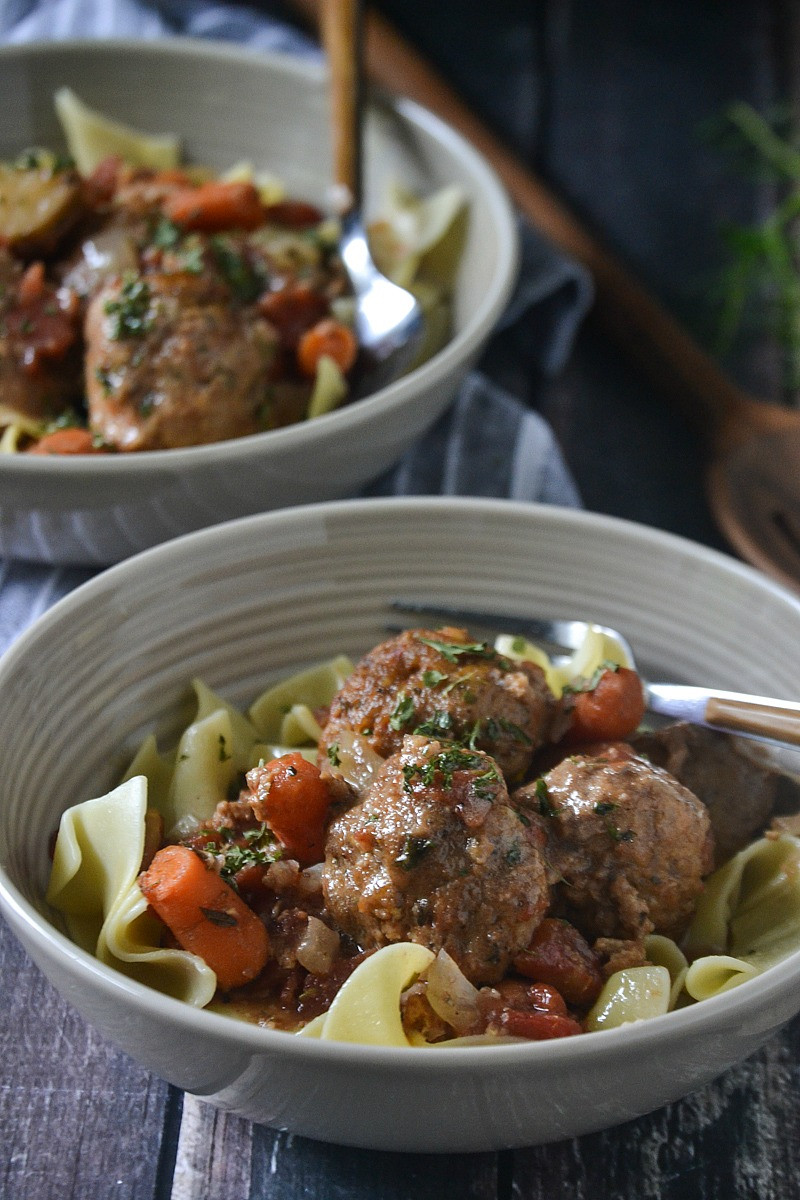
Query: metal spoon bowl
{"x":760,"y":717}
{"x":388,"y":318}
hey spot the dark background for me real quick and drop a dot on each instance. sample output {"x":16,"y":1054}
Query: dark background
{"x":616,"y":105}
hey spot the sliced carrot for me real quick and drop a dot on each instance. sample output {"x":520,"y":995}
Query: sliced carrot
{"x":214,"y":206}
{"x":295,"y":802}
{"x":205,"y":915}
{"x":66,"y":441}
{"x":610,"y":711}
{"x":330,"y":338}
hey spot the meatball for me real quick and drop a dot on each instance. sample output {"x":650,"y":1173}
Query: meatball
{"x":737,"y":787}
{"x":438,"y":683}
{"x":627,"y":845}
{"x":170,"y":363}
{"x":436,"y":854}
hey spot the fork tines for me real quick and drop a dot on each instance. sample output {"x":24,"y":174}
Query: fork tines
{"x":560,"y":636}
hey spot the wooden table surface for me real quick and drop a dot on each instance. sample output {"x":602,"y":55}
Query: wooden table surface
{"x":609,"y":102}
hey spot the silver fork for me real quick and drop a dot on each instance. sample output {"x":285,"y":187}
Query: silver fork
{"x":759,"y":717}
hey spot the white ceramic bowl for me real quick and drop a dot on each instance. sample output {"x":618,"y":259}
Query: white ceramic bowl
{"x":230,"y":105}
{"x":243,"y":603}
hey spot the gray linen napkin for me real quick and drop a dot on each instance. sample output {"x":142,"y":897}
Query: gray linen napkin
{"x":488,"y":444}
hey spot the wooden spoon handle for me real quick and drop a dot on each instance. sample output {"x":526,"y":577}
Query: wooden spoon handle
{"x":754,"y":716}
{"x":672,"y":360}
{"x":341,"y":28}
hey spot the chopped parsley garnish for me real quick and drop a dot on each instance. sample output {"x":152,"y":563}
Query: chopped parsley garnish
{"x":446,"y":763}
{"x":606,"y":806}
{"x":131,"y":313}
{"x":403,"y":712}
{"x":437,"y":726}
{"x":35,"y":160}
{"x":218,"y":917}
{"x":546,"y":806}
{"x":432,"y":679}
{"x":255,"y":847}
{"x":105,"y":378}
{"x":333,"y":754}
{"x":452,"y":651}
{"x":166,"y":234}
{"x":513,"y":855}
{"x":414,"y":850}
{"x":588,"y":685}
{"x":191,"y":258}
{"x":235,"y":270}
{"x":493,"y":728}
{"x":486,"y":783}
{"x":68,"y":419}
{"x":497,"y":725}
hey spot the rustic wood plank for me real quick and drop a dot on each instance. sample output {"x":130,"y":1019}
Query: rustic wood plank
{"x":291,"y":1168}
{"x":78,"y":1118}
{"x":214,"y":1154}
{"x":733,"y":1140}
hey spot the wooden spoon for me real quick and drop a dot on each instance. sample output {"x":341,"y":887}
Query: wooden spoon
{"x":754,"y":446}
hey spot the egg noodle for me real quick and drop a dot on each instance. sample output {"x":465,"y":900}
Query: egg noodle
{"x":747,"y":918}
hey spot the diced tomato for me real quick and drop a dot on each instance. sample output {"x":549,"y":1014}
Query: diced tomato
{"x":294,"y":214}
{"x":610,"y":711}
{"x":560,"y":956}
{"x":538,"y":1026}
{"x":293,"y":310}
{"x":31,"y":285}
{"x":43,"y":323}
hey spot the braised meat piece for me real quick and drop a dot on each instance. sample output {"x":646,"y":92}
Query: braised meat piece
{"x":626,"y":844}
{"x":436,"y":854}
{"x":170,"y":363}
{"x":438,"y":683}
{"x":40,"y":369}
{"x":737,"y":787}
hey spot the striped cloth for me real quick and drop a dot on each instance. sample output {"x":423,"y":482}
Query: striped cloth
{"x":488,"y":444}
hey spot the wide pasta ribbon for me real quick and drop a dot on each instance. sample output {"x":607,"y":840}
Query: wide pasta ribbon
{"x":96,"y":862}
{"x":748,"y":917}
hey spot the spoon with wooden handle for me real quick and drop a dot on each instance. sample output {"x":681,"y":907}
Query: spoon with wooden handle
{"x":754,"y":447}
{"x":388,"y":318}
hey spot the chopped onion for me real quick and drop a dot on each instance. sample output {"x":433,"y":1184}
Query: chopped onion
{"x":451,"y":995}
{"x":319,"y":947}
{"x":282,"y":875}
{"x":185,"y":827}
{"x":310,"y":881}
{"x":358,"y":763}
